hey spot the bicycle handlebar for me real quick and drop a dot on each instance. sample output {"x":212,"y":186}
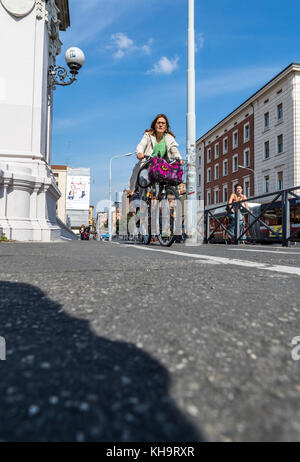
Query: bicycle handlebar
{"x":172,"y":162}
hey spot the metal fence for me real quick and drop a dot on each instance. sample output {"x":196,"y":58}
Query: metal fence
{"x":251,"y":224}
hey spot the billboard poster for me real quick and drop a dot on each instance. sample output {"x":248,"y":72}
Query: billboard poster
{"x":78,"y":192}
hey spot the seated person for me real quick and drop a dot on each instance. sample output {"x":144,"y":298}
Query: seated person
{"x":236,"y":197}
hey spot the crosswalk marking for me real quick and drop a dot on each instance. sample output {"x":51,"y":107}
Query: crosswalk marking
{"x":225,"y":261}
{"x":267,"y":251}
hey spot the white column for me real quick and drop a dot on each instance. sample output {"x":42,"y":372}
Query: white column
{"x":25,"y":121}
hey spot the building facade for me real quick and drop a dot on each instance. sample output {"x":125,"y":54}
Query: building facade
{"x":277,"y":139}
{"x":257,"y":145}
{"x":228,"y":157}
{"x":91,"y":216}
{"x":60,"y":175}
{"x":30,"y":34}
{"x":78,"y":197}
{"x":102,"y":223}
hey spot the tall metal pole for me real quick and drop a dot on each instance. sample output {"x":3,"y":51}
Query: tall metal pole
{"x":109,"y":207}
{"x":191,"y":215}
{"x":254,"y":178}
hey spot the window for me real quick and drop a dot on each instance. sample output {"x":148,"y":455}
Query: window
{"x":247,"y":187}
{"x":208,"y":197}
{"x":246,"y":132}
{"x":266,"y":120}
{"x":199,"y":161}
{"x":209,"y":155}
{"x":266,"y":183}
{"x":208,"y":175}
{"x":279,"y":180}
{"x":235,"y":139}
{"x":225,"y":193}
{"x":217,"y":196}
{"x":225,"y":167}
{"x":217,"y":173}
{"x":199,"y":180}
{"x":216,"y":150}
{"x":234,"y":183}
{"x":225,"y":145}
{"x":267,"y":150}
{"x":56,"y":179}
{"x":279,"y":144}
{"x":247,"y":158}
{"x":279,"y":111}
{"x":235,"y":164}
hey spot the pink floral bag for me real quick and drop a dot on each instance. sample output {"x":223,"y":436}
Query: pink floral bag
{"x":161,"y":171}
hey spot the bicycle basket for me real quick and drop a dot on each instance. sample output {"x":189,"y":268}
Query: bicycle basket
{"x":161,"y":171}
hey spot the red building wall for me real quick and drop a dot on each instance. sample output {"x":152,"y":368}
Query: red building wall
{"x":241,"y":173}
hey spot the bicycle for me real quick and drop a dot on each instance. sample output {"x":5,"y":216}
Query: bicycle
{"x":161,"y":198}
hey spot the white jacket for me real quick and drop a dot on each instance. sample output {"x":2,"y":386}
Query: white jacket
{"x":146,"y":147}
{"x":147,"y":144}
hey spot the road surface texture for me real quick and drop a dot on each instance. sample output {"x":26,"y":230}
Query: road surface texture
{"x":119,"y":342}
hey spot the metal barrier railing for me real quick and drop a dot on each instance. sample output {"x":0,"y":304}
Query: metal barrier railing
{"x":282,"y":200}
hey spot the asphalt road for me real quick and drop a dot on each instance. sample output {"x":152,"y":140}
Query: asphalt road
{"x":108,"y":342}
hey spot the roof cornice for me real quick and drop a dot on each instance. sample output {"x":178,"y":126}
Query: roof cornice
{"x":289,"y":69}
{"x":64,"y":14}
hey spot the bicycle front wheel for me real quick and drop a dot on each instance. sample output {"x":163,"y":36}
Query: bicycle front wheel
{"x":145,"y":223}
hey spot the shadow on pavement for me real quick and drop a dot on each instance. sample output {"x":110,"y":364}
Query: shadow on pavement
{"x":60,"y":382}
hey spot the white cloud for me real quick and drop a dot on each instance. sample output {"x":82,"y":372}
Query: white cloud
{"x":165,"y":66}
{"x":147,"y":48}
{"x":199,"y":42}
{"x":122,"y":44}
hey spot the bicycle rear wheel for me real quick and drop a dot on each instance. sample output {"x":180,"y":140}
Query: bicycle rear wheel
{"x":145,"y":223}
{"x":167,"y":212}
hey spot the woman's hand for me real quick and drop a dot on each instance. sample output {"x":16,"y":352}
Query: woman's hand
{"x":181,"y":161}
{"x":140,"y":155}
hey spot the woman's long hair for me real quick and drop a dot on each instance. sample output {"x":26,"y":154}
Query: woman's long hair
{"x":152,"y":130}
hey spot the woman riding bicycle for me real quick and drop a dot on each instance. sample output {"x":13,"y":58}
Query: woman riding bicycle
{"x":157,"y":139}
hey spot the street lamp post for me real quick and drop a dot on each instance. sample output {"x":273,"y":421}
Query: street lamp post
{"x":109,"y":207}
{"x":254,"y":177}
{"x":191,"y":216}
{"x":58,"y":75}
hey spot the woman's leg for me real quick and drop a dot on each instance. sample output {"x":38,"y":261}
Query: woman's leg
{"x":232,"y":224}
{"x":135,"y":172}
{"x":134,"y":175}
{"x":241,"y":219}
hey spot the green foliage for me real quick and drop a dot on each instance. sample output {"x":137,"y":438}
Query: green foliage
{"x":3,"y":237}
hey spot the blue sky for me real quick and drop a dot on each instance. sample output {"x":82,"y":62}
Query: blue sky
{"x":136,"y":68}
